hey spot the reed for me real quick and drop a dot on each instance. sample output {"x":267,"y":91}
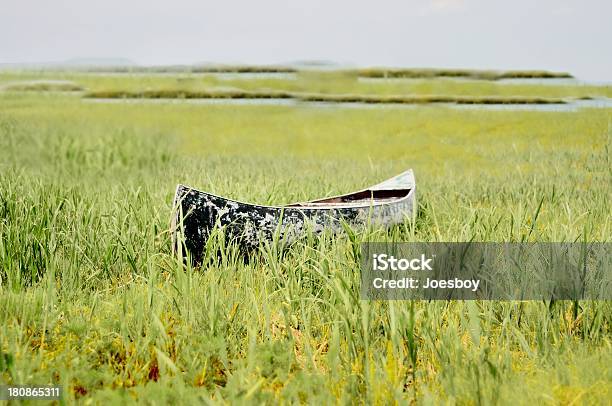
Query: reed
{"x":92,"y":299}
{"x":324,"y":98}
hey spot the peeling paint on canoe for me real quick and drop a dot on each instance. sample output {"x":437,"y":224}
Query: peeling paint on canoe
{"x":197,"y":214}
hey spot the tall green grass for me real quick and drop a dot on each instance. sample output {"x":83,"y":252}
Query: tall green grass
{"x":92,"y":299}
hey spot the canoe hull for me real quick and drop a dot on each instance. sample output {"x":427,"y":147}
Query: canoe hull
{"x":198,"y":213}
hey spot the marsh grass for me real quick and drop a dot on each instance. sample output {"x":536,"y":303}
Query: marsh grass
{"x":92,"y":299}
{"x":311,"y":82}
{"x":323,"y":98}
{"x":374,"y":72}
{"x":42,"y":86}
{"x":473,"y":74}
{"x":190,"y":69}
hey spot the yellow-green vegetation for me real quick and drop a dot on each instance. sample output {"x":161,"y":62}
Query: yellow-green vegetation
{"x":460,"y":73}
{"x":323,"y":82}
{"x":92,"y":299}
{"x":310,"y":97}
{"x":41,"y":86}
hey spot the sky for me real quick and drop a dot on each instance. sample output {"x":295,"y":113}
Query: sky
{"x":562,"y":35}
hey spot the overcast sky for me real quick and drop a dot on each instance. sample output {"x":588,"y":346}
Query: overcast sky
{"x":563,"y":35}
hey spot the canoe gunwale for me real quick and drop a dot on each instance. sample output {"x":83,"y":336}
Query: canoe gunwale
{"x":406,"y":188}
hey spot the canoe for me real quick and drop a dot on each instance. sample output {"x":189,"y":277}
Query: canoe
{"x":196,"y":214}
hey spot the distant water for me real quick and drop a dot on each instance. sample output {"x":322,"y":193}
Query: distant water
{"x":219,"y":75}
{"x":263,"y":75}
{"x":570,"y":106}
{"x":517,"y":81}
{"x":556,"y":82}
{"x":603,"y":103}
